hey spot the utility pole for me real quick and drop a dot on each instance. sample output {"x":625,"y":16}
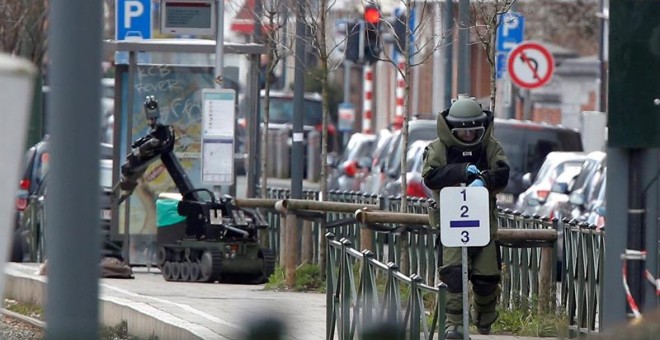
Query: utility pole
{"x":72,"y":203}
{"x":448,"y":52}
{"x":463,"y":85}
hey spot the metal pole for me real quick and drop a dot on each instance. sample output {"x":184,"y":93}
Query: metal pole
{"x":448,"y":51}
{"x":635,"y":226}
{"x":466,"y":300}
{"x":72,"y":230}
{"x":438,"y":66}
{"x":218,"y":66}
{"x":463,"y":85}
{"x":132,"y":71}
{"x":614,"y":308}
{"x":257,"y":37}
{"x":253,"y":122}
{"x":298,"y":106}
{"x":347,"y":94}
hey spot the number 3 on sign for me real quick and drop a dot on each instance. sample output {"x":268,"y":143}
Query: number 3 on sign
{"x":464,"y":217}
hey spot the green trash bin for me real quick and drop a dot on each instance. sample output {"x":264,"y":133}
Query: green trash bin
{"x":171,"y":225}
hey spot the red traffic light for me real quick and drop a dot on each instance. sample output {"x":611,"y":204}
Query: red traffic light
{"x":371,"y":15}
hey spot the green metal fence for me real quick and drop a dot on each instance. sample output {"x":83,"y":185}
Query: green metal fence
{"x":413,"y":248}
{"x":365,"y":295}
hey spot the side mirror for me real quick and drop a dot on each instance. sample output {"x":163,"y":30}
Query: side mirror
{"x":576,"y":199}
{"x":560,"y":187}
{"x":527,"y":180}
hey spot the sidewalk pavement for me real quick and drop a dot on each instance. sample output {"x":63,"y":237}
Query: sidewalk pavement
{"x":177,"y":310}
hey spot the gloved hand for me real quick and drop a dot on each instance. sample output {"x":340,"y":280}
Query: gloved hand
{"x":472,"y":170}
{"x":477,"y":183}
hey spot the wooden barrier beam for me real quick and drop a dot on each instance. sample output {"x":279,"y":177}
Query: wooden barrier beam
{"x":255,"y":202}
{"x":367,"y":217}
{"x":503,"y":235}
{"x":326,"y":206}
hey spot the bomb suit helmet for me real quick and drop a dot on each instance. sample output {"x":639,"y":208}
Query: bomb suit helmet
{"x":466,"y":120}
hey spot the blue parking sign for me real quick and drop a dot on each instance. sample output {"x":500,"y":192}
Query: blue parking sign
{"x":133,"y":19}
{"x":133,"y":22}
{"x":510,"y":31}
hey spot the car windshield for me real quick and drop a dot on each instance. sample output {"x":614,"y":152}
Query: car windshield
{"x":358,"y":148}
{"x":422,"y":132}
{"x":281,"y":111}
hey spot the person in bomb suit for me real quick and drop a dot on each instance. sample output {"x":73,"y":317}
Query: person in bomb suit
{"x":467,"y":153}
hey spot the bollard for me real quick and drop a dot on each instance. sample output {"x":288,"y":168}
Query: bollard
{"x":271,"y":151}
{"x":282,"y":153}
{"x":307,"y":245}
{"x":292,"y":249}
{"x":313,"y":156}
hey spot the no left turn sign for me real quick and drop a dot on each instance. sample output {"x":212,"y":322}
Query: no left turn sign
{"x":530,"y":65}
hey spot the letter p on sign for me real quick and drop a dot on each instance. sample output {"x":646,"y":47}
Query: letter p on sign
{"x":133,"y":9}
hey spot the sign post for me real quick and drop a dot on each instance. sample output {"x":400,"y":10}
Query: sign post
{"x":464,"y":222}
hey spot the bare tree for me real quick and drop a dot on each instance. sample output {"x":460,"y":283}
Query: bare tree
{"x":275,"y":22}
{"x":414,"y":54}
{"x":23,"y":28}
{"x":487,"y":19}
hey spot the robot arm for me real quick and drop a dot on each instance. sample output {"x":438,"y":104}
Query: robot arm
{"x":145,"y":150}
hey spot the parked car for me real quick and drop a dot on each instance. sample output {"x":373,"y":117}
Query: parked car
{"x":583,"y":189}
{"x":347,"y":172}
{"x":558,"y":194}
{"x":597,"y":211}
{"x":526,"y":145}
{"x":415,"y":186}
{"x":29,"y":242}
{"x":280,"y":116}
{"x":372,"y":181}
{"x":420,"y":129}
{"x":555,"y":165}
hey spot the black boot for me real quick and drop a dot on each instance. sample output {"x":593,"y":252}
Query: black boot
{"x":484,"y":328}
{"x":454,"y":332}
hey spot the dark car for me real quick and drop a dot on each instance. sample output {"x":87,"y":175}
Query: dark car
{"x":29,"y":241}
{"x":526,"y":145}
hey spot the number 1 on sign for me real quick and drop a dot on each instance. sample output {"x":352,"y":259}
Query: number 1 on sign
{"x":464,"y":197}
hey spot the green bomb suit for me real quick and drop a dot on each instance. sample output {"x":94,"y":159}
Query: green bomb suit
{"x":445,"y":162}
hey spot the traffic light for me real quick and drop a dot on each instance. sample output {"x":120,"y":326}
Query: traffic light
{"x":352,"y":51}
{"x":400,"y":23}
{"x":372,"y":43}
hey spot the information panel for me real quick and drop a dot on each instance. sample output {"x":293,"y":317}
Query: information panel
{"x":218,"y":111}
{"x":190,"y":17}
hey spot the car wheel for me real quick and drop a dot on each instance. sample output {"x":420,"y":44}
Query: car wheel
{"x":17,"y":250}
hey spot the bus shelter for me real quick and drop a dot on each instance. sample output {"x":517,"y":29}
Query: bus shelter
{"x":175,"y":71}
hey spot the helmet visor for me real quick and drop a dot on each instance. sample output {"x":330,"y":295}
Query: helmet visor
{"x":469,"y":135}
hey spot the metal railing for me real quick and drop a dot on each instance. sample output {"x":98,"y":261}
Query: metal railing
{"x":355,"y":306}
{"x":412,"y":249}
